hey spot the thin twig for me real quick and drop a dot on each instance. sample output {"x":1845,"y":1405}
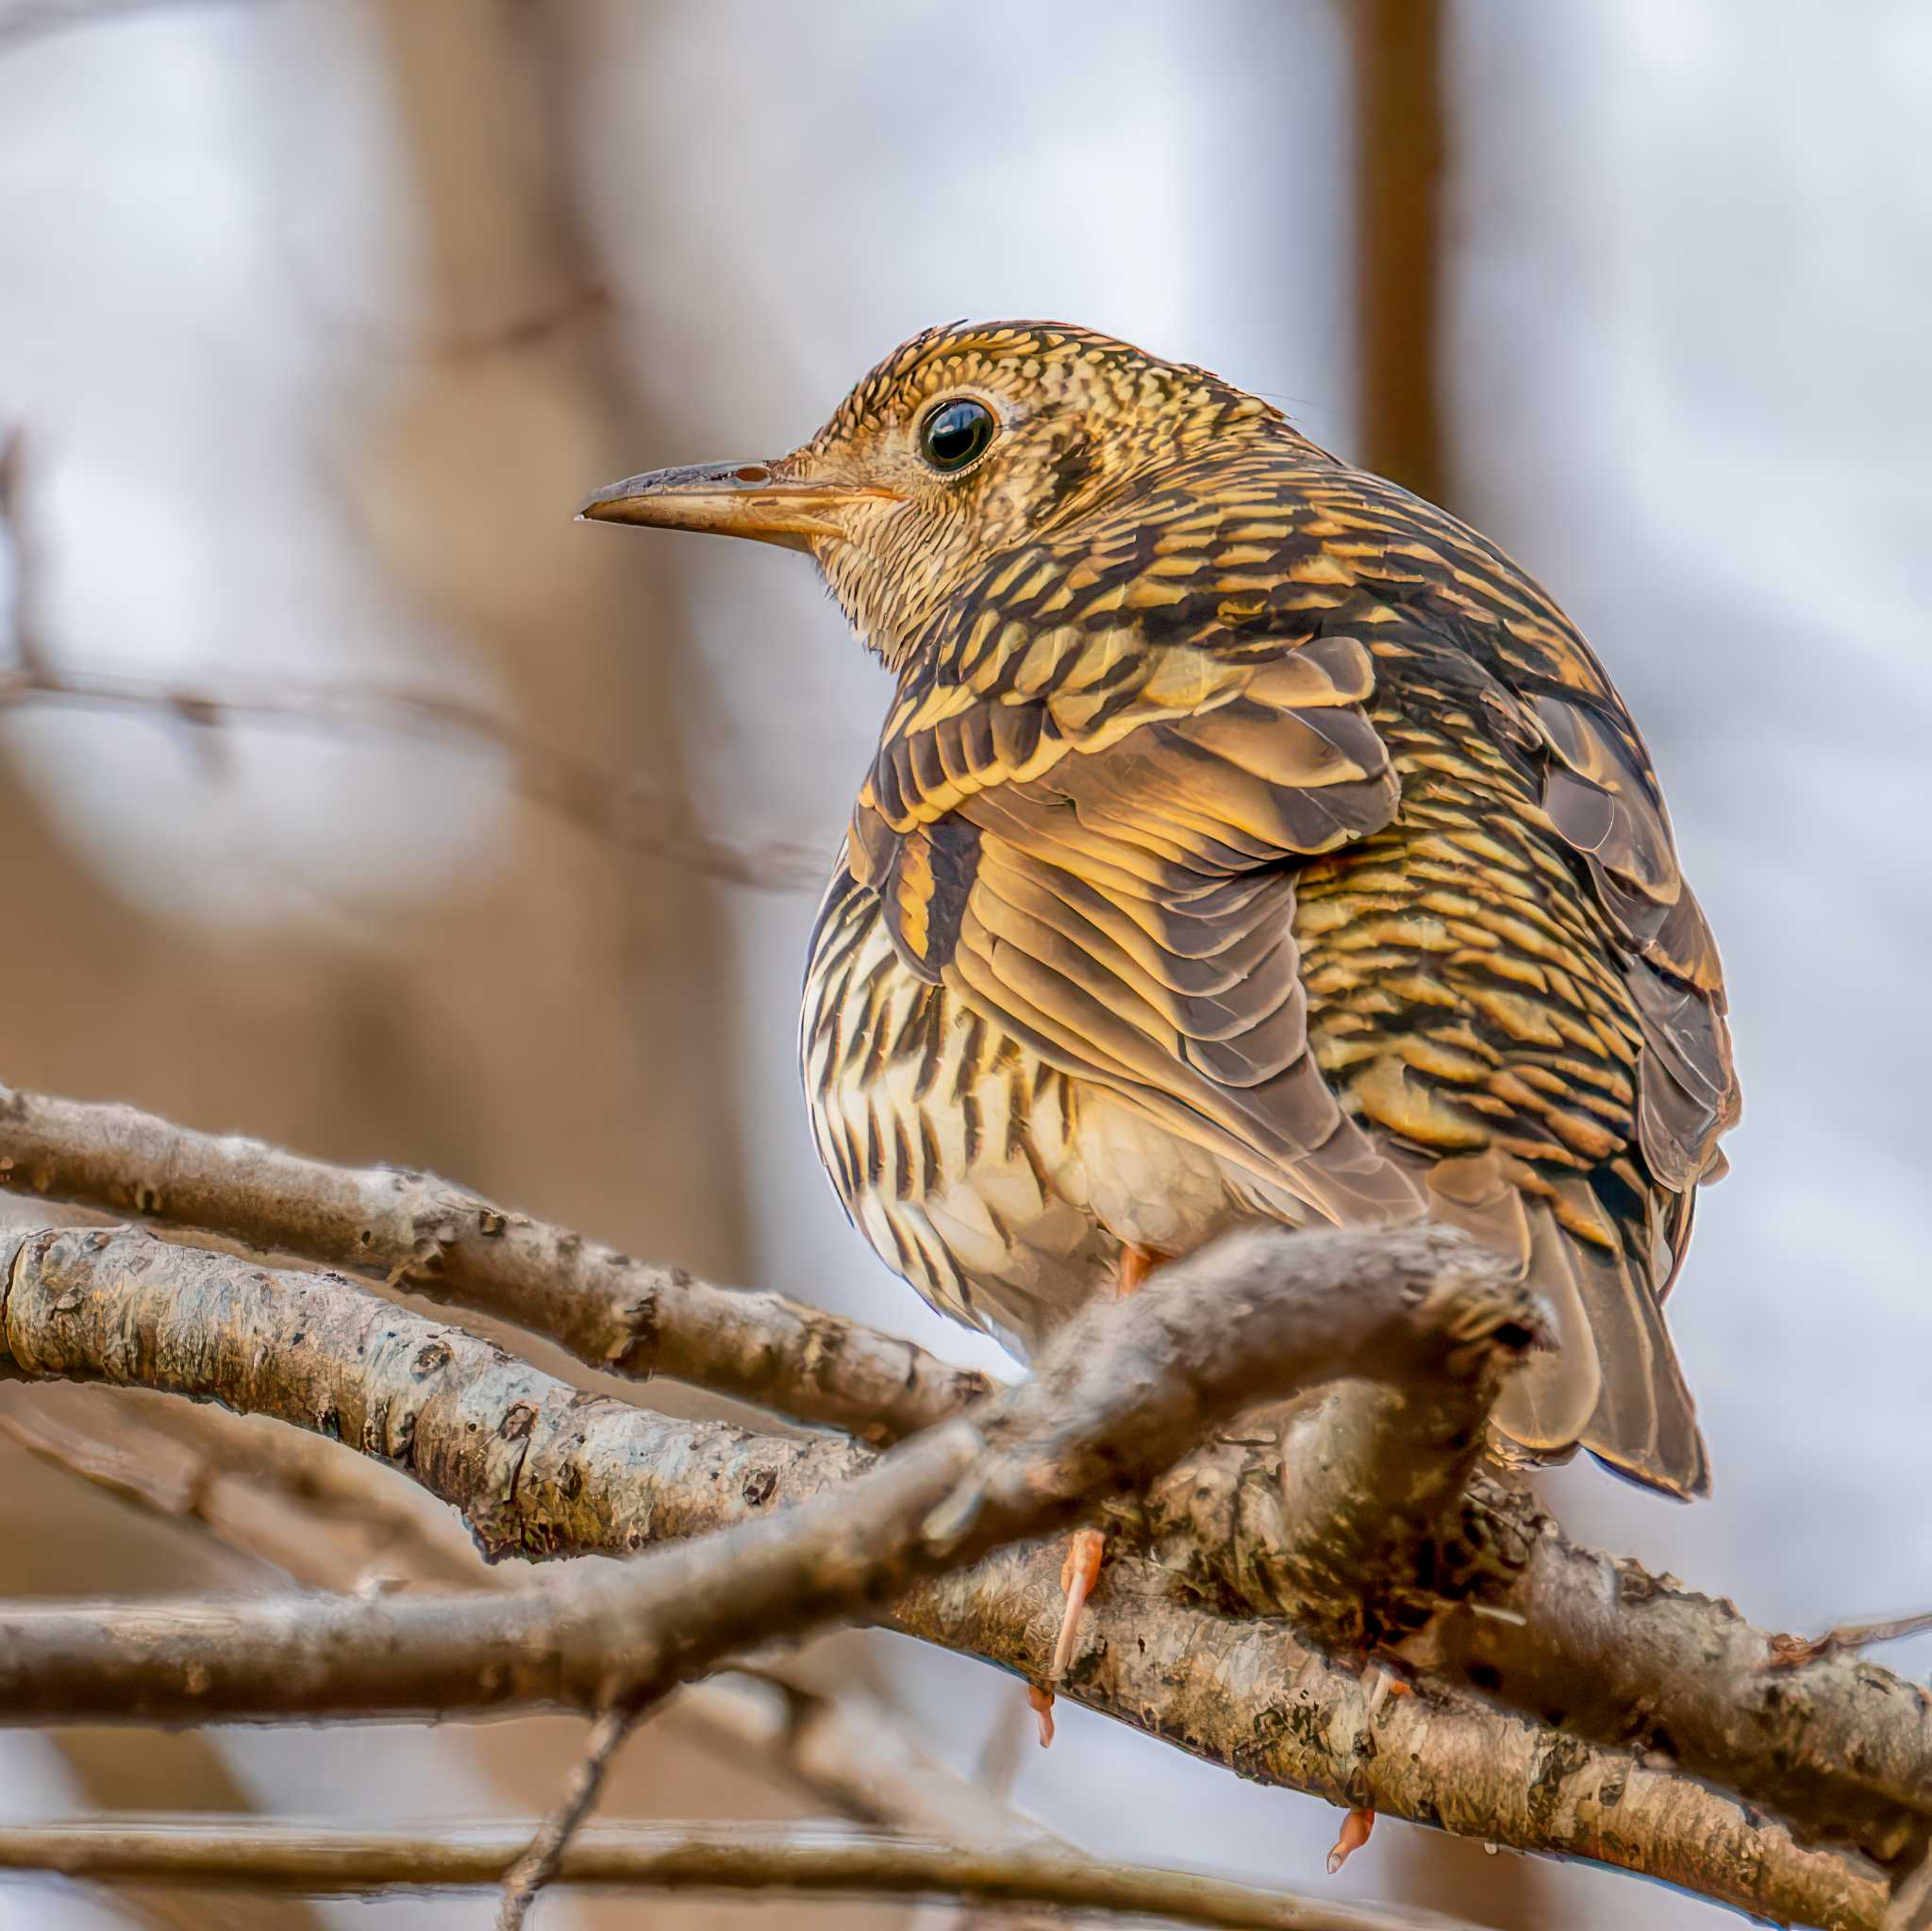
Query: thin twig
{"x":237,"y":1854}
{"x":632,"y":810}
{"x":1848,"y":1638}
{"x":543,"y":1855}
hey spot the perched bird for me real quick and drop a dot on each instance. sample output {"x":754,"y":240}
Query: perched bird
{"x":1246,"y":837}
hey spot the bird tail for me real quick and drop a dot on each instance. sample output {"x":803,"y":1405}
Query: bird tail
{"x":1612,"y":1383}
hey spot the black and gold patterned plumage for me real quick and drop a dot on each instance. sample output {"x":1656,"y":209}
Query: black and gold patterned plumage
{"x":1245,"y":836}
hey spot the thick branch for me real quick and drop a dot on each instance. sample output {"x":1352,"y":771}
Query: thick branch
{"x":1245,"y":1694}
{"x":240,"y":1854}
{"x":1119,"y":1395}
{"x":506,"y":1444}
{"x":341,"y":1523}
{"x":416,"y":1231}
{"x":1351,"y":1527}
{"x":1599,"y":1647}
{"x":1499,"y":1599}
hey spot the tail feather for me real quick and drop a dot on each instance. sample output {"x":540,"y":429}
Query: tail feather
{"x":1646,"y":1423}
{"x":1550,"y":1399}
{"x":1612,"y":1383}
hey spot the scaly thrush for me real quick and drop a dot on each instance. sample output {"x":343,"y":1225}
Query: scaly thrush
{"x":1247,"y":837}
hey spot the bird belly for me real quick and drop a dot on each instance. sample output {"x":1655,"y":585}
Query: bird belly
{"x":1146,"y":1185}
{"x":1001,"y":1188}
{"x":952,"y":1149}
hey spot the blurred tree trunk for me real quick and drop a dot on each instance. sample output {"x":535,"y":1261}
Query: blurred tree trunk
{"x":572,"y":1041}
{"x":1396,"y":50}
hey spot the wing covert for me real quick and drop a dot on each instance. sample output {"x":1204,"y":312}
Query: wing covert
{"x":1113,"y":882}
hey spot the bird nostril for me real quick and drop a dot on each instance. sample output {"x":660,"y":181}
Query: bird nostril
{"x":753,"y":473}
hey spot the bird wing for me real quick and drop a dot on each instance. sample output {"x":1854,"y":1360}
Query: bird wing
{"x":1089,"y":842}
{"x":1545,"y":695}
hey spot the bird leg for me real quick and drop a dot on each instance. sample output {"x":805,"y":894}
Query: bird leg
{"x":1132,"y":1269}
{"x":1082,"y":1569}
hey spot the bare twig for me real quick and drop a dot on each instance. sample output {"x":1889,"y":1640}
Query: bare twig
{"x":676,"y":1858}
{"x":631,"y":809}
{"x":543,"y":1855}
{"x":1794,"y":1652}
{"x":631,"y":1316}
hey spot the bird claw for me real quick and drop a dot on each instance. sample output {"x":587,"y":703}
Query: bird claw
{"x":1040,"y":1700}
{"x":1384,"y":1684}
{"x":1353,"y":1833}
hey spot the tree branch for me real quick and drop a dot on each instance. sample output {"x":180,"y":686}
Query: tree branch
{"x":1119,"y":1395}
{"x":340,"y":1522}
{"x":1496,"y":1597}
{"x":1244,"y":1693}
{"x":535,"y":1466}
{"x":236,"y":1854}
{"x":1838,"y":1746}
{"x":630,"y":809}
{"x":415,"y":1231}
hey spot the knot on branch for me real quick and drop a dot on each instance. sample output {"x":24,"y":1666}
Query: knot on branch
{"x":1483,"y":1317}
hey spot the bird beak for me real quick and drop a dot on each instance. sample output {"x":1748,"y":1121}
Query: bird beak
{"x":747,"y":499}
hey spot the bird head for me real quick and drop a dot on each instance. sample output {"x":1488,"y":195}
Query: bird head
{"x":965,"y":444}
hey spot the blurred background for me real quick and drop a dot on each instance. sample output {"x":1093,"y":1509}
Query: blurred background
{"x":319,"y":317}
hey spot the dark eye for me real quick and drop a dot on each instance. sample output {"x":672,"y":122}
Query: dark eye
{"x":954,"y":433}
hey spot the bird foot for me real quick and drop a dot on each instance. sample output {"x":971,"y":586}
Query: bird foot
{"x":1082,"y":1569}
{"x":1353,"y":1833}
{"x":1384,"y":1685}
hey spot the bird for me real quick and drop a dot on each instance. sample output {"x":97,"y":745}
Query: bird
{"x":1247,"y":838}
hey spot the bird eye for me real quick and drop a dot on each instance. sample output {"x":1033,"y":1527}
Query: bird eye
{"x":955,"y":433}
